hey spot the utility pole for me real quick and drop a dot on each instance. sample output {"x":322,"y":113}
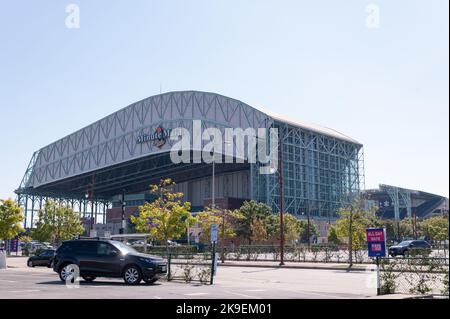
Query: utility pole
{"x":213,"y":195}
{"x":309,"y":230}
{"x":91,"y":195}
{"x":223,"y":237}
{"x":350,"y":237}
{"x":123,"y":224}
{"x":280,"y":184}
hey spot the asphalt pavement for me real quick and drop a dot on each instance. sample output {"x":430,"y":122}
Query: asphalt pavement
{"x":20,"y":281}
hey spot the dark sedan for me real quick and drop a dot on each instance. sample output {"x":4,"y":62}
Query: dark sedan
{"x":410,"y":247}
{"x":44,"y":258}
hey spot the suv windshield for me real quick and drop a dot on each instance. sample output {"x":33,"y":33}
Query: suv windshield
{"x":124,"y":249}
{"x":405,"y":243}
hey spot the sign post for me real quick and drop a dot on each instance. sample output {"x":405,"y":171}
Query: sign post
{"x":376,"y":244}
{"x":214,"y":237}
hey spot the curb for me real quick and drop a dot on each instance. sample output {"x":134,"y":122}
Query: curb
{"x":292,"y":267}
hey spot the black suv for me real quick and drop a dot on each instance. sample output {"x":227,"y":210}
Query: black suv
{"x":106,"y":258}
{"x":410,"y":247}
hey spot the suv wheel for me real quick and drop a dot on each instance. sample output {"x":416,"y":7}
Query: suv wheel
{"x":132,"y":275}
{"x":67,"y":272}
{"x":30,"y":264}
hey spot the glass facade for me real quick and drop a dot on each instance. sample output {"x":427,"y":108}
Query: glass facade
{"x":320,"y":173}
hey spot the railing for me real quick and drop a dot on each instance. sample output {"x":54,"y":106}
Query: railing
{"x":419,"y":275}
{"x":190,"y":268}
{"x":297,"y":253}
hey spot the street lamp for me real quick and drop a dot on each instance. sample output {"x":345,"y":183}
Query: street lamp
{"x":213,"y":204}
{"x":280,"y":184}
{"x":123,"y":224}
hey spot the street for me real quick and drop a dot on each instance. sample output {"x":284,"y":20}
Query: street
{"x":19,"y":281}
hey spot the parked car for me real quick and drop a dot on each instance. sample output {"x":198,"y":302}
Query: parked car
{"x":107,"y":258}
{"x":44,"y":258}
{"x":405,"y":248}
{"x":172,"y":243}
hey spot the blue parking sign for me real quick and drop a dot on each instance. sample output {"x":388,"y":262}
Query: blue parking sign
{"x":376,"y":242}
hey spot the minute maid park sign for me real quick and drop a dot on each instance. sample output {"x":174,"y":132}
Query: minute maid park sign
{"x":158,"y":138}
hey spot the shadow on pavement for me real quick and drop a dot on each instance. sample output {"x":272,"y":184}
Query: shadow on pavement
{"x":96,"y":283}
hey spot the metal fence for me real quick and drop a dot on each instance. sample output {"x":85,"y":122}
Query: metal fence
{"x":191,"y":268}
{"x":418,"y":276}
{"x":185,"y":264}
{"x":297,"y":253}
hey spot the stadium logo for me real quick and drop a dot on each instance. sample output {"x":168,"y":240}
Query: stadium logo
{"x":158,"y":138}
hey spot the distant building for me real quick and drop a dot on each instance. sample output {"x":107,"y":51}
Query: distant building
{"x":398,"y":203}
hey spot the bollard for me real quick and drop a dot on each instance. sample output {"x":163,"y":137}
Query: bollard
{"x":168,"y":268}
{"x":2,"y":259}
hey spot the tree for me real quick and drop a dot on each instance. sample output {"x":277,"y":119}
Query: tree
{"x":258,"y":230}
{"x":250,"y":211}
{"x":313,"y":230}
{"x":209,"y":217}
{"x":165,"y":218}
{"x":352,"y":224}
{"x":57,"y":222}
{"x":333,"y":237}
{"x":11,"y":217}
{"x":435,"y":228}
{"x":294,"y":228}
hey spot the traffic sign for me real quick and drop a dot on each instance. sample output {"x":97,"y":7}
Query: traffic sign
{"x":376,"y":242}
{"x":214,"y":233}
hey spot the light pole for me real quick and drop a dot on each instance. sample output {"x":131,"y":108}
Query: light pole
{"x":123,"y":225}
{"x":223,"y":237}
{"x":280,"y":184}
{"x":223,"y":211}
{"x":309,"y":229}
{"x":213,"y":195}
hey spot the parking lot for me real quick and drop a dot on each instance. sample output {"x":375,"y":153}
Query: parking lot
{"x":19,"y":281}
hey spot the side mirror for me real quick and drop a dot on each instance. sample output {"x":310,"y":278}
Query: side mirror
{"x":113,"y":253}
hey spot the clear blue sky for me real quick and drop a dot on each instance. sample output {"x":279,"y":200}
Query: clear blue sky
{"x":312,"y":60}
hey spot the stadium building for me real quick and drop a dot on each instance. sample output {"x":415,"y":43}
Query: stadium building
{"x":392,"y":202}
{"x":119,"y":156}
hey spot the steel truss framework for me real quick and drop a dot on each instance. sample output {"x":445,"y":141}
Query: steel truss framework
{"x":319,"y":170}
{"x":401,"y":198}
{"x":320,"y":174}
{"x":88,"y":209}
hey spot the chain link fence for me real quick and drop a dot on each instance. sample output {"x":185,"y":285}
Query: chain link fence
{"x":417,"y":276}
{"x":297,"y":253}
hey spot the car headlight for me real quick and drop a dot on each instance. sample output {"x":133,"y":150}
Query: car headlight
{"x":146,"y":260}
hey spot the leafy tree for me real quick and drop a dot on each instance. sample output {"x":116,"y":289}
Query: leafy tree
{"x":11,"y":217}
{"x":294,"y":228}
{"x":209,"y":217}
{"x":313,"y":230}
{"x":165,"y":218}
{"x":390,"y":226}
{"x":25,"y":239}
{"x":333,"y":237}
{"x":352,"y":224}
{"x":405,"y":228}
{"x":250,"y":211}
{"x":435,"y":228}
{"x":57,"y":222}
{"x":258,"y":229}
